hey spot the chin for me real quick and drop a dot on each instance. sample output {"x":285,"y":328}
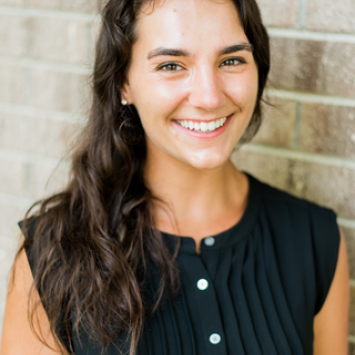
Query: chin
{"x":208,"y":163}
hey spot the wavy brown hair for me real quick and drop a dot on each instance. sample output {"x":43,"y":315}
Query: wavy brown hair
{"x":91,"y":244}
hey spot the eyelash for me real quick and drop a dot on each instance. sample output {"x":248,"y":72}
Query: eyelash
{"x":239,"y":59}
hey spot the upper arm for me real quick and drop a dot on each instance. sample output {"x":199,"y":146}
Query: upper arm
{"x":331,"y":322}
{"x":17,"y":335}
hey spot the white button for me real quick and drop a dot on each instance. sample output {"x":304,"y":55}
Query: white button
{"x":215,"y":338}
{"x":209,"y":241}
{"x":202,"y":284}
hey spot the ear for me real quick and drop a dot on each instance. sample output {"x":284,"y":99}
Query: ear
{"x":126,"y":93}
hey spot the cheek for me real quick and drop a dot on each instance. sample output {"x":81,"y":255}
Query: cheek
{"x":243,"y":90}
{"x":155,"y":100}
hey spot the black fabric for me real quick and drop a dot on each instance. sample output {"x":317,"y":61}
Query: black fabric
{"x":268,"y":276}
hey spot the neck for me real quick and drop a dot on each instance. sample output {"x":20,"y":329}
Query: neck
{"x":196,"y":203}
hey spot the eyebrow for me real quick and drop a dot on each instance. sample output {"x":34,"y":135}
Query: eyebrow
{"x":182,"y":53}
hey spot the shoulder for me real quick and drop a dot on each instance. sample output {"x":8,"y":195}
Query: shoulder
{"x":304,"y":234}
{"x":275,"y":200}
{"x":306,"y":223}
{"x":20,"y":334}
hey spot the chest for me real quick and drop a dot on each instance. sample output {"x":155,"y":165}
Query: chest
{"x":234,"y":300}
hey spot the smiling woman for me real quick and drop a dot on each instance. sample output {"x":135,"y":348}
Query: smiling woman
{"x":159,"y":244}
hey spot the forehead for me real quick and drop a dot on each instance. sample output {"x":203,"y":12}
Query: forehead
{"x":189,"y":23}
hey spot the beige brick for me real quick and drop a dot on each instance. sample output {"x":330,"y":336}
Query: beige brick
{"x":278,"y":124}
{"x":95,"y":31}
{"x":47,"y":180}
{"x":329,"y":15}
{"x":282,"y":13}
{"x":40,"y":38}
{"x":36,"y":135}
{"x":329,"y":186}
{"x":328,"y":130}
{"x":13,"y":35}
{"x":349,"y":234}
{"x":9,"y":216}
{"x":269,"y":169}
{"x":311,"y":66}
{"x":73,"y":5}
{"x":13,"y":176}
{"x":333,"y":187}
{"x":12,"y":84}
{"x":60,"y":91}
{"x":58,"y":40}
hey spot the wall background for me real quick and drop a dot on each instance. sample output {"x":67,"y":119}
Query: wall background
{"x":306,"y":145}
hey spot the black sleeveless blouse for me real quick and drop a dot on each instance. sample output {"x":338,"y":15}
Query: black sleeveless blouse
{"x":254,"y":289}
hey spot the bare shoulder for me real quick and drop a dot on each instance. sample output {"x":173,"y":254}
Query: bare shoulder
{"x":331,"y":323}
{"x":17,"y":335}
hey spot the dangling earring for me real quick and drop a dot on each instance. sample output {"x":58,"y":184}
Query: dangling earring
{"x":124,"y":102}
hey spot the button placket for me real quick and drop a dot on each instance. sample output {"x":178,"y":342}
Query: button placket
{"x":198,"y":279}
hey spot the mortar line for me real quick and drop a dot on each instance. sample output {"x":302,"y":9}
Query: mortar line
{"x":29,"y":86}
{"x":311,"y":35}
{"x":311,"y":98}
{"x":89,"y":49}
{"x":28,"y":176}
{"x":299,"y":155}
{"x":297,"y":126}
{"x":302,"y":16}
{"x":344,"y":222}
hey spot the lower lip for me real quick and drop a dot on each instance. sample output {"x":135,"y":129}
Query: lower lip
{"x":205,"y":135}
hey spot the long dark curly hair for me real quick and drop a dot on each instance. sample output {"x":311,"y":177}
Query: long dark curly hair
{"x":91,"y":243}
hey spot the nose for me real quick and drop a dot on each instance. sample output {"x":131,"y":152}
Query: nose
{"x":206,"y":89}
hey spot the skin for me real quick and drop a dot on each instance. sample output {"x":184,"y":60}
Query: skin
{"x":195,"y":178}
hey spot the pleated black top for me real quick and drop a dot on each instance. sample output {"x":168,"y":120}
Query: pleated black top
{"x":254,"y":289}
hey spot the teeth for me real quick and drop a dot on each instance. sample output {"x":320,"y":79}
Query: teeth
{"x":203,"y":126}
{"x":211,"y":126}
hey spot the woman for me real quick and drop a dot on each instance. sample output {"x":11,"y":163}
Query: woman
{"x":159,"y":245}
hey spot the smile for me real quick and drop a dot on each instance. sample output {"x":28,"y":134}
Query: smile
{"x":203,"y":126}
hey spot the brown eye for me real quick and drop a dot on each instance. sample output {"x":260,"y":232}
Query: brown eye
{"x":170,"y":67}
{"x":233,"y":62}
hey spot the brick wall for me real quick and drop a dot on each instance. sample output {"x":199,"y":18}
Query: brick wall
{"x":306,"y":144}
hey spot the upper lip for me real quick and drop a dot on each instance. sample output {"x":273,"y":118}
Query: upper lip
{"x":199,"y":120}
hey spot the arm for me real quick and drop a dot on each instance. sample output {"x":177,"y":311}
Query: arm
{"x":17,"y":336}
{"x":331,"y":323}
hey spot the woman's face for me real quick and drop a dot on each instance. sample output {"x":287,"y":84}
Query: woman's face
{"x":192,"y":66}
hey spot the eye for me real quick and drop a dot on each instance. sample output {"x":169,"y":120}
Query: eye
{"x":233,"y":62}
{"x":170,"y":67}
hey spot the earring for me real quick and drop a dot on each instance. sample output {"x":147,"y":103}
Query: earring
{"x":124,"y":102}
